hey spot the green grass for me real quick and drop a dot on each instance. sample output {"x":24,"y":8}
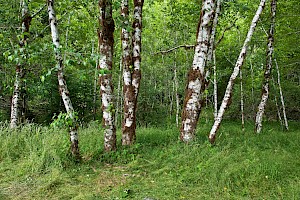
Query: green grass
{"x":35,"y":164}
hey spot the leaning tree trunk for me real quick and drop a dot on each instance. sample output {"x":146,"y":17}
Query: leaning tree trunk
{"x":106,"y":44}
{"x":228,"y":93}
{"x":131,"y":72}
{"x":196,"y":76}
{"x":15,"y":103}
{"x":267,"y":74}
{"x":281,"y":96}
{"x":63,"y":90}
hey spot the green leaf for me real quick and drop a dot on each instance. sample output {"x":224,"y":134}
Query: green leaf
{"x":42,"y":79}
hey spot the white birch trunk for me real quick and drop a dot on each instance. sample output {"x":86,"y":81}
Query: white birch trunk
{"x":196,"y":76}
{"x":252,"y":86}
{"x":281,"y":96}
{"x":14,"y":115}
{"x":132,"y":72}
{"x":106,"y":42}
{"x":176,"y":85}
{"x":267,"y":75}
{"x":228,"y":93}
{"x":95,"y":84}
{"x":119,"y":97}
{"x":15,"y":102}
{"x":64,"y":92}
{"x":242,"y":101}
{"x":215,"y":87}
{"x":276,"y":103}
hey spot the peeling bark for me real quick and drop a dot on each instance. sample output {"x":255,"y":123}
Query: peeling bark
{"x":228,"y":93}
{"x":267,"y":74}
{"x":131,"y":61}
{"x":196,"y":75}
{"x":15,"y":103}
{"x":106,"y":43}
{"x":63,"y":90}
{"x":14,"y":116}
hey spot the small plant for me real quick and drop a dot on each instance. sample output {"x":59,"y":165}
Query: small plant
{"x":67,"y":120}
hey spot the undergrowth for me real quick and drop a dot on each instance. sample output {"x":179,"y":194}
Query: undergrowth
{"x":35,"y":164}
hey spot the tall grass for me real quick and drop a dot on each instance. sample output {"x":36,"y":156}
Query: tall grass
{"x":35,"y":164}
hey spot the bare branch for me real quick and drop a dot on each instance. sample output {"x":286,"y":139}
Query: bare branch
{"x":174,"y":48}
{"x":224,"y":31}
{"x":38,"y":12}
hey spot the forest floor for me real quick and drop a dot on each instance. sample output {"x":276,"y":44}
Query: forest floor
{"x":242,"y":165}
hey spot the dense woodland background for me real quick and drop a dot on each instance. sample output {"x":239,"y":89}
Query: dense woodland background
{"x":35,"y":158}
{"x":166,"y":24}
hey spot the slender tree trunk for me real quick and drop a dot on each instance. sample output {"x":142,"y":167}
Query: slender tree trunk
{"x":15,"y":103}
{"x":64,"y":92}
{"x":228,"y":93}
{"x":252,"y":87}
{"x":196,"y":76}
{"x":95,"y":84}
{"x":176,"y":85}
{"x":106,"y":44}
{"x":132,"y":72}
{"x":14,"y":116}
{"x":281,"y":96}
{"x":119,"y":97}
{"x":276,"y":103}
{"x":242,"y":102}
{"x":267,"y":75}
{"x":215,"y":87}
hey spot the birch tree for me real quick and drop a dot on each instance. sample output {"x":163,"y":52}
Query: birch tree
{"x":106,"y":44}
{"x":281,"y":96}
{"x":63,"y":90}
{"x":196,"y":75}
{"x":15,"y":102}
{"x":228,"y":93}
{"x":131,"y":61}
{"x":267,"y":74}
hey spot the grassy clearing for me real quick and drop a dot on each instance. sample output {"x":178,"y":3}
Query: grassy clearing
{"x":34,"y":164}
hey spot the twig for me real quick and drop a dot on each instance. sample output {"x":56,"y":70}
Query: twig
{"x":174,"y":48}
{"x":224,"y":31}
{"x":38,"y":12}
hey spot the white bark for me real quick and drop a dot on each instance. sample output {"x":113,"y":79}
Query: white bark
{"x":281,"y":96}
{"x":252,"y":85}
{"x":238,"y":65}
{"x":266,"y":85}
{"x":242,"y":101}
{"x":276,"y":103}
{"x":15,"y":104}
{"x":64,"y":92}
{"x":131,"y":65}
{"x":106,"y":43}
{"x":196,"y":77}
{"x":176,"y":85}
{"x":14,"y":115}
{"x":215,"y":86}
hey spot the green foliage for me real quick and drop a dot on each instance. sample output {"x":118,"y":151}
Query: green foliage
{"x":68,"y":120}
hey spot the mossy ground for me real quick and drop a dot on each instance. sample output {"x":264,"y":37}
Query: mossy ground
{"x":34,"y":164}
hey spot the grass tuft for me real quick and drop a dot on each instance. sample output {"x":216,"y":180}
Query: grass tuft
{"x":35,"y":164}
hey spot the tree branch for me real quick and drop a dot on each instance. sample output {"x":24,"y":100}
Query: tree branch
{"x":38,"y":12}
{"x":174,"y":48}
{"x":224,"y":31}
